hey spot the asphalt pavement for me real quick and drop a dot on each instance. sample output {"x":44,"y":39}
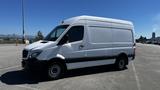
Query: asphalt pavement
{"x":141,"y":74}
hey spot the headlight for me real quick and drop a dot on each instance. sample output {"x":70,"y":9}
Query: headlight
{"x":35,"y":54}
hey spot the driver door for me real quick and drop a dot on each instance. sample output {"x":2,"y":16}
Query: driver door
{"x":74,"y":48}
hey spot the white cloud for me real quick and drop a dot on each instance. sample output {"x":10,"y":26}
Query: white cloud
{"x":156,"y":24}
{"x":156,"y":27}
{"x":157,"y":18}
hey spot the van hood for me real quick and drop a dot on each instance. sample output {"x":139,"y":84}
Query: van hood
{"x":40,"y":45}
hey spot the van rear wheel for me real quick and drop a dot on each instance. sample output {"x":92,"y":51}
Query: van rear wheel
{"x":121,"y":63}
{"x":55,"y":71}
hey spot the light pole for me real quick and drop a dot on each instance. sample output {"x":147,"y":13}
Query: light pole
{"x":23,"y":31}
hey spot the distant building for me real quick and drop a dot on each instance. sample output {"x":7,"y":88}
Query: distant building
{"x":153,"y":39}
{"x":153,"y":35}
{"x":157,"y":39}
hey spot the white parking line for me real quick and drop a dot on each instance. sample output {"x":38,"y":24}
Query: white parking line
{"x":136,"y":77}
{"x":27,"y":87}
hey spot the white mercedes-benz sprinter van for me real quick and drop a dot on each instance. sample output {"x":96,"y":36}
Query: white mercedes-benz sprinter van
{"x":82,"y":41}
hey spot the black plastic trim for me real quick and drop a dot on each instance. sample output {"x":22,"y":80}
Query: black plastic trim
{"x":86,"y":59}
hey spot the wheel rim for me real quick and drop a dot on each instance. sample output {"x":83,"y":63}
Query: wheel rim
{"x":121,"y":64}
{"x":54,"y":71}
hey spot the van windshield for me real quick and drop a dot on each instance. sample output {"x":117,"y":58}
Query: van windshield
{"x":55,"y":33}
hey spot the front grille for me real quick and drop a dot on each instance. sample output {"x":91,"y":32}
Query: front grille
{"x":25,"y":53}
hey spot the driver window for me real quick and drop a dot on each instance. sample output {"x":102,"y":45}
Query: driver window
{"x":75,"y":33}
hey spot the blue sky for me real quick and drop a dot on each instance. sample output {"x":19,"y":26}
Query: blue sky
{"x":44,"y":15}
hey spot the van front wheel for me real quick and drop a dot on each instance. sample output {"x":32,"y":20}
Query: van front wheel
{"x":54,"y":71}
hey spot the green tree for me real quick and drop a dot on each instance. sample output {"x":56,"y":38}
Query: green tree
{"x":142,"y":39}
{"x":39,"y":36}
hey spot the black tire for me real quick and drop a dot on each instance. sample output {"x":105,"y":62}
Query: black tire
{"x":121,"y":63}
{"x":55,"y":71}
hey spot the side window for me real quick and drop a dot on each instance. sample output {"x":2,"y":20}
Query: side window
{"x":75,"y":33}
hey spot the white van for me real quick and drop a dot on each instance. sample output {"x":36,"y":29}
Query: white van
{"x":82,"y":41}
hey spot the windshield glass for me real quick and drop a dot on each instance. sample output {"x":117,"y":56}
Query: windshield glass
{"x":55,"y":33}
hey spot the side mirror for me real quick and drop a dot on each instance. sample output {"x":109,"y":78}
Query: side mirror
{"x":63,"y":40}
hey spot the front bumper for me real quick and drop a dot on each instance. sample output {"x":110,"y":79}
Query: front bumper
{"x":34,"y":64}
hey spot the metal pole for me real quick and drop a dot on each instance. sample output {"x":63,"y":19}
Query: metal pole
{"x":23,"y":32}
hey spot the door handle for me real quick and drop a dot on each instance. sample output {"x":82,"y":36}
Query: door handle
{"x":81,"y":46}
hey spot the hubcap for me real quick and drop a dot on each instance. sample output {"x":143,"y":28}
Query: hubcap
{"x":121,"y":64}
{"x":54,"y":71}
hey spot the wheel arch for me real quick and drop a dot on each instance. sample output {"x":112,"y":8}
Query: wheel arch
{"x":58,"y":60}
{"x":122,"y":55}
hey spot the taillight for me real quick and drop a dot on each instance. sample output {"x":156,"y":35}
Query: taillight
{"x":134,"y":47}
{"x":134,"y":51}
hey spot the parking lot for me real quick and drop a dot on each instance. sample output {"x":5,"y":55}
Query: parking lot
{"x":141,"y":74}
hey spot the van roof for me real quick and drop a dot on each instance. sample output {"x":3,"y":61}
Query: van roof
{"x":94,"y":18}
